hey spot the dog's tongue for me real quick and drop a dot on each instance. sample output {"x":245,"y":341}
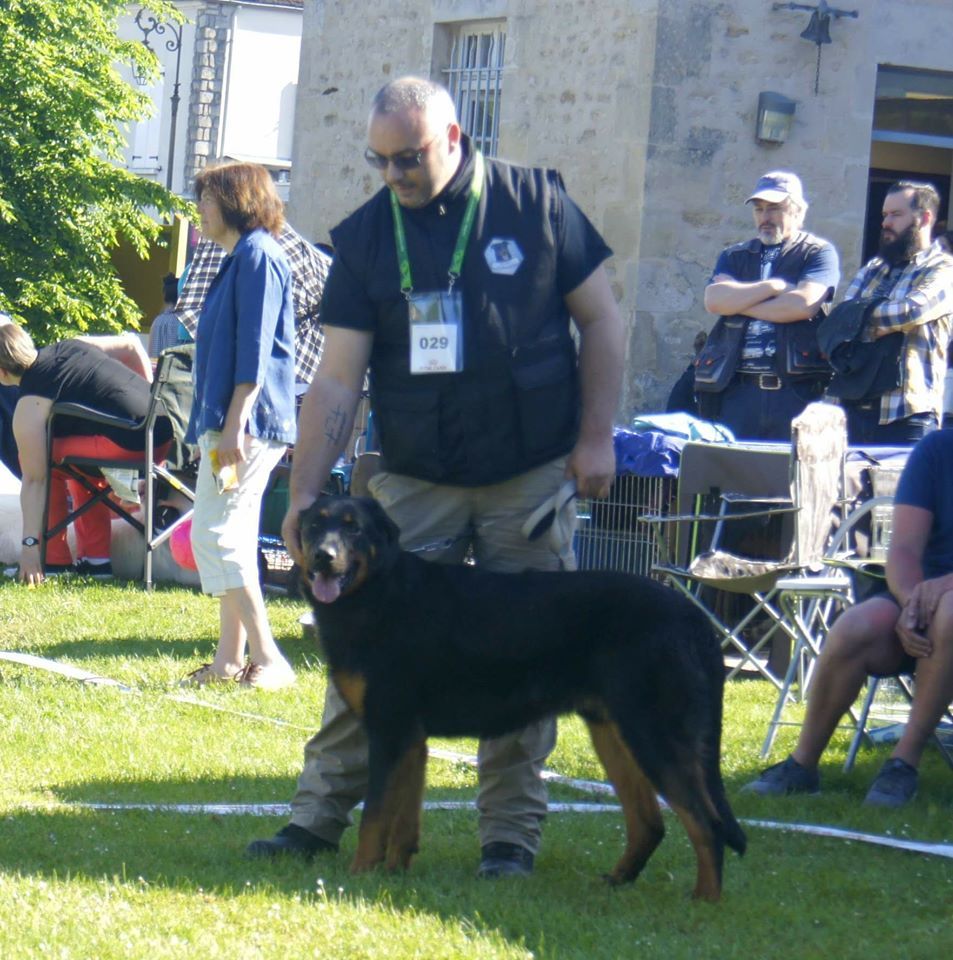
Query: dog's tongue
{"x":325,"y":589}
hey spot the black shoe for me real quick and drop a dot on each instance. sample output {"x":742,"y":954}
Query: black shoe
{"x":895,"y":785}
{"x":783,"y":778}
{"x":503,"y":860}
{"x":293,"y":840}
{"x":95,"y":571}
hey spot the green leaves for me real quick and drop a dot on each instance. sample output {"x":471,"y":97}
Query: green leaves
{"x":64,"y":204}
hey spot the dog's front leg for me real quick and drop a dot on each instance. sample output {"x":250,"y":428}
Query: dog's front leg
{"x":384,"y":761}
{"x":407,"y":796}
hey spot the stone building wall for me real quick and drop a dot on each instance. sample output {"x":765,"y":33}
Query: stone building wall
{"x":648,"y":108}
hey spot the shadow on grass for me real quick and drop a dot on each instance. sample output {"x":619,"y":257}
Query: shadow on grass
{"x":187,"y":853}
{"x":301,"y":653}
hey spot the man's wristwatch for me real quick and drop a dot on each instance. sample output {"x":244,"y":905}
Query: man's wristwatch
{"x":30,"y":542}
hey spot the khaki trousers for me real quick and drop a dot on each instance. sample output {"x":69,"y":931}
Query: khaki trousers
{"x":441,"y":522}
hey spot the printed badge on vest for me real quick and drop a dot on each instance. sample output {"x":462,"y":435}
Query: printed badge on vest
{"x":503,"y":256}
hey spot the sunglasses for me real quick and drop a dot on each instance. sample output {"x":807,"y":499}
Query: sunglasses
{"x":403,"y":161}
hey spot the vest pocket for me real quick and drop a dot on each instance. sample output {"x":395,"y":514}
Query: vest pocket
{"x":719,"y":358}
{"x":408,"y":424}
{"x":547,"y":397}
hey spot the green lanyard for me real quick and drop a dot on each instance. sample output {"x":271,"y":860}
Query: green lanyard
{"x":469,"y":215}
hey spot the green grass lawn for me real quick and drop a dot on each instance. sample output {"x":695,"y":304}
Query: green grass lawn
{"x":77,"y":882}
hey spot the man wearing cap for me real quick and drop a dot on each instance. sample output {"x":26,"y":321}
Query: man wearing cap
{"x":761,"y":365}
{"x":912,"y":278}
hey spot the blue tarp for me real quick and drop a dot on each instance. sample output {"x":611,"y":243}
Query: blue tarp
{"x":648,"y":453}
{"x":653,"y":448}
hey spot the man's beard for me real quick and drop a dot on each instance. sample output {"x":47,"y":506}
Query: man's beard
{"x":903,"y":247}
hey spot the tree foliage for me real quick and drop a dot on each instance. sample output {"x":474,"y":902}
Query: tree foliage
{"x":65,"y":203}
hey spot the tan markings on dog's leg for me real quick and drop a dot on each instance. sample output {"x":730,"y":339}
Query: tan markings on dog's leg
{"x":708,"y":878}
{"x":352,"y":687}
{"x":643,"y":818}
{"x":407,"y":798}
{"x":371,"y":840}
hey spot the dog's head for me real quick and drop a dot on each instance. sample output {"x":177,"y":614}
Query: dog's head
{"x":345,"y":541}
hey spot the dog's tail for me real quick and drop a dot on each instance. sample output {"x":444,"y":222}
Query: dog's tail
{"x":724,"y":822}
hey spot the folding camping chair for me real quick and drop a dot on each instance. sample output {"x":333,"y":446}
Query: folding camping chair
{"x":170,"y":396}
{"x":810,"y":600}
{"x":815,"y":471}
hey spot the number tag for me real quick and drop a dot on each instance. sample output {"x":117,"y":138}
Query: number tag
{"x":436,"y":324}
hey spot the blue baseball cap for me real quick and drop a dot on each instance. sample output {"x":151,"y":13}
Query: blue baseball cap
{"x":778,"y":185}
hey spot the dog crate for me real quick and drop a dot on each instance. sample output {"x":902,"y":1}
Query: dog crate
{"x":609,"y":535}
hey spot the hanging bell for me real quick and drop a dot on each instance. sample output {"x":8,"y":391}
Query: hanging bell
{"x":818,"y":29}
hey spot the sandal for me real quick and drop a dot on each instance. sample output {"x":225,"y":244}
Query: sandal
{"x":205,"y":675}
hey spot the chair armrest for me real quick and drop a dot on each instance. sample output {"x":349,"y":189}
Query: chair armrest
{"x":82,"y":412}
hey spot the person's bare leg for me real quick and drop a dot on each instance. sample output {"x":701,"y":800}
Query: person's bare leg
{"x":862,"y":641}
{"x":244,"y":619}
{"x":232,"y":637}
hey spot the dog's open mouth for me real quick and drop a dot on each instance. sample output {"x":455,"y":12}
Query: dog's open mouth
{"x":327,"y":587}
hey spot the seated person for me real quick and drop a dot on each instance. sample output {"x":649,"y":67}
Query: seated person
{"x":166,"y":331}
{"x":906,"y":630}
{"x":682,"y":399}
{"x":78,"y":372}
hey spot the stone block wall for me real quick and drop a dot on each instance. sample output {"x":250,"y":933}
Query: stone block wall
{"x":212,"y":25}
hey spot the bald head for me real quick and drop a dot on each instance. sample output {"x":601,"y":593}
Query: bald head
{"x":415,"y":94}
{"x":413,"y":139}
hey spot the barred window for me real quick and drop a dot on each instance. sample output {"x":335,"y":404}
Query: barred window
{"x":474,"y":79}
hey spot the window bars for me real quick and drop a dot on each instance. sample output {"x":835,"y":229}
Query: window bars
{"x":474,"y":79}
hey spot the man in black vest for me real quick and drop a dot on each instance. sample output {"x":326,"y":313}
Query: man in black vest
{"x":761,"y":365}
{"x":457,"y":285}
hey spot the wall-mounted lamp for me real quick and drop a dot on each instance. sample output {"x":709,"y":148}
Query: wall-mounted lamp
{"x":775,"y":116}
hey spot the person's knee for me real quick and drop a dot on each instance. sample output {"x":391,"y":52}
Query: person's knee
{"x":862,"y":630}
{"x":941,"y":625}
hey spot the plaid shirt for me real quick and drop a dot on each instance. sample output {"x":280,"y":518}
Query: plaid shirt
{"x":309,"y":270}
{"x":919,"y":305}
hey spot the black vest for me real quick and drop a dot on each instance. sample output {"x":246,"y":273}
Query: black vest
{"x":798,"y":354}
{"x":515,"y":405}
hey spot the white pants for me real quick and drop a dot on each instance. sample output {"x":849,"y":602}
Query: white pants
{"x":225,"y":525}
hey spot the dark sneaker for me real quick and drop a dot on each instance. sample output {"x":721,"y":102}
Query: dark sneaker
{"x":293,"y":840}
{"x":895,"y":785}
{"x":504,"y":859}
{"x":96,"y":571}
{"x":783,"y":778}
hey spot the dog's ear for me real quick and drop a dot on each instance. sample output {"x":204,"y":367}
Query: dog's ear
{"x":388,"y":530}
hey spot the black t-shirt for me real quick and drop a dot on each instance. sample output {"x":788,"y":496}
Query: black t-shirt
{"x":76,"y":372}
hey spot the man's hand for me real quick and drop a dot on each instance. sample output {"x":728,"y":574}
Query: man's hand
{"x":914,"y":643}
{"x":592,"y":465}
{"x":291,"y":534}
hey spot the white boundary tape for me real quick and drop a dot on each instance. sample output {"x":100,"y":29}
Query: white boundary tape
{"x":282,"y":809}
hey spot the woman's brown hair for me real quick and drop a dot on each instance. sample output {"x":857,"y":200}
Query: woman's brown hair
{"x":246,"y":195}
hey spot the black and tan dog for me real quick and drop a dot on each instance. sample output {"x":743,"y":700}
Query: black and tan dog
{"x":419,"y":649}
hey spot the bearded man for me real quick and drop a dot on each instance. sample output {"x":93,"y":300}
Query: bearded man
{"x":914,"y":275}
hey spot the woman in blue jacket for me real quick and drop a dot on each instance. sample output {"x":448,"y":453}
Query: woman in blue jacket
{"x":243,"y":414}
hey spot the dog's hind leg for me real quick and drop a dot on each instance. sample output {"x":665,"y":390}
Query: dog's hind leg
{"x":643,"y":818}
{"x":709,"y":851}
{"x":407,"y":797}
